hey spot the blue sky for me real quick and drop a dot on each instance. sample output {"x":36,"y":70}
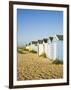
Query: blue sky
{"x":37,"y":24}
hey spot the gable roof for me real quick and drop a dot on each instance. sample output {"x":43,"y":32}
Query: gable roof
{"x":34,"y":42}
{"x":40,"y":41}
{"x":51,"y":38}
{"x":29,"y":44}
{"x":45,"y":40}
{"x":60,"y":37}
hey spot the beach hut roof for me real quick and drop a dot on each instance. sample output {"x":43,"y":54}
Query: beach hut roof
{"x":51,"y":38}
{"x":45,"y":40}
{"x":29,"y":44}
{"x":40,"y":41}
{"x":60,"y":37}
{"x":34,"y":42}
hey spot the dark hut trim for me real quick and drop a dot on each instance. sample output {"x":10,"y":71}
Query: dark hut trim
{"x":60,"y":37}
{"x":51,"y":38}
{"x":45,"y":40}
{"x":40,"y":41}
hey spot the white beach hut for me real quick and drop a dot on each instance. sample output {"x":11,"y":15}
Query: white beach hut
{"x":45,"y":46}
{"x":34,"y":46}
{"x":55,"y":47}
{"x":28,"y":46}
{"x":58,"y":47}
{"x":40,"y":47}
{"x":50,"y":48}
